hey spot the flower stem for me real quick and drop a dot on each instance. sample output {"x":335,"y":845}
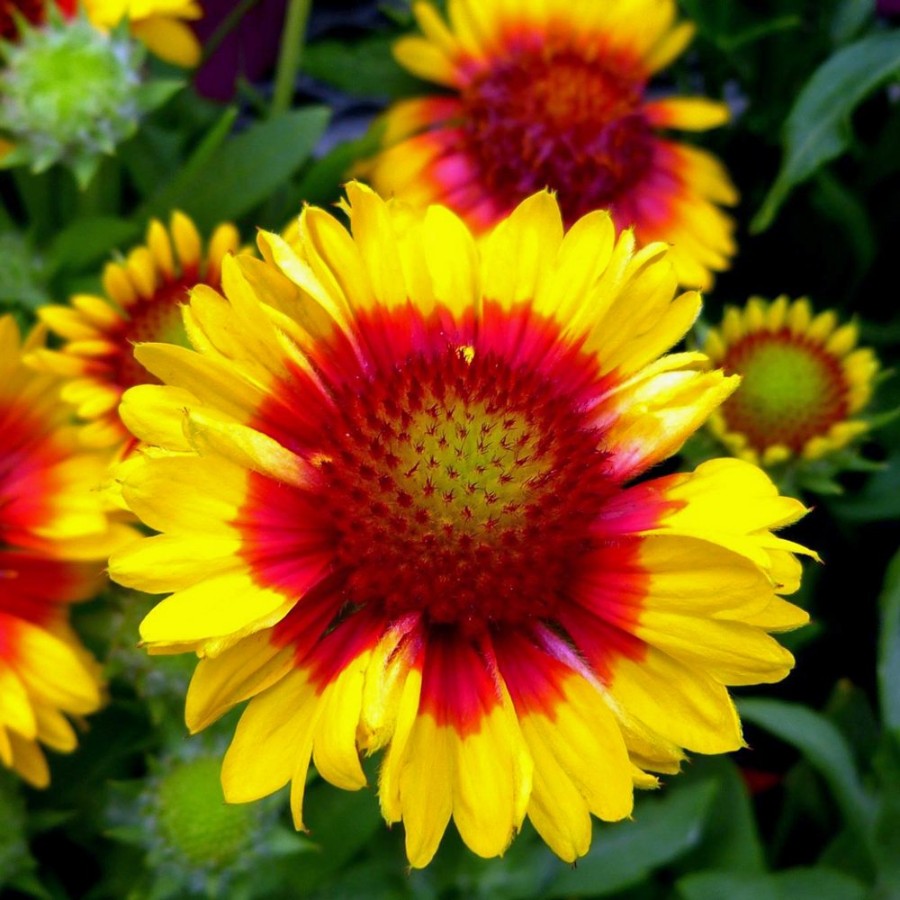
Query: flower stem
{"x":290,"y":54}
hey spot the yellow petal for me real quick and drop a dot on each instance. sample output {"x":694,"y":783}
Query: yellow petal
{"x":241,"y":671}
{"x":231,"y":605}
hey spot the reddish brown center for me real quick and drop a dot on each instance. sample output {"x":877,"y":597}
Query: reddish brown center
{"x":545,"y":118}
{"x":463,"y":487}
{"x":791,"y":390}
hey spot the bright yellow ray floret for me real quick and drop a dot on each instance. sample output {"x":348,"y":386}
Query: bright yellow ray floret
{"x":160,"y":24}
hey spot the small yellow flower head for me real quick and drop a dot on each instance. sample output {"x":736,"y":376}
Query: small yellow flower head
{"x":142,"y":296}
{"x":803,"y":382}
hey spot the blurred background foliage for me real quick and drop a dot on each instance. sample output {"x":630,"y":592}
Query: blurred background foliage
{"x":812,"y":807}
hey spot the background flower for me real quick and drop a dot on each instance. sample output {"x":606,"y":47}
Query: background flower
{"x":143,"y":298}
{"x":803,"y":381}
{"x":54,"y":538}
{"x":555,"y":95}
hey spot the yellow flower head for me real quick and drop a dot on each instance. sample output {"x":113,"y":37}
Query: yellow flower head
{"x":392,"y":488}
{"x":142,"y":302}
{"x":159,"y":24}
{"x":802,"y":381}
{"x":54,"y":539}
{"x":554,"y":94}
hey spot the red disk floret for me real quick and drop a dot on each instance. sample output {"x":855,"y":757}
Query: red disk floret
{"x":558,"y":118}
{"x":459,"y":478}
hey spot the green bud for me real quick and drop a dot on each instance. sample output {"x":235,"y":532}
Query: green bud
{"x":195,"y":819}
{"x":70,"y":94}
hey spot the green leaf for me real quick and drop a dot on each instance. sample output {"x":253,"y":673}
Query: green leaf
{"x":733,"y":885}
{"x":818,"y":884}
{"x":760,"y":31}
{"x":889,"y":647}
{"x":887,"y":826}
{"x":818,"y":127}
{"x":794,"y":884}
{"x":245,"y":170}
{"x":365,"y":68}
{"x":845,"y":208}
{"x":169,"y":198}
{"x":30,"y":886}
{"x":849,"y":19}
{"x":822,"y":743}
{"x":877,"y":500}
{"x":627,"y":852}
{"x":322,"y":181}
{"x":87,"y":240}
{"x":850,"y":709}
{"x":341,"y":823}
{"x":731,"y":840}
{"x":156,"y":93}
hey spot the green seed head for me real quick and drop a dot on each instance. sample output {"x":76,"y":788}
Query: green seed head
{"x":68,"y":93}
{"x":195,"y":819}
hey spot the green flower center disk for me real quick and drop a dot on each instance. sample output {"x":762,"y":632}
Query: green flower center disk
{"x":791,"y":390}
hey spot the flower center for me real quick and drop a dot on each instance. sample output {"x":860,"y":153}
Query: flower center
{"x":463,"y":487}
{"x":157,"y":318}
{"x":557,"y":120}
{"x":791,"y":390}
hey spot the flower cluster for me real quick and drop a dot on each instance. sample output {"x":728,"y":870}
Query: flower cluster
{"x":457,"y":488}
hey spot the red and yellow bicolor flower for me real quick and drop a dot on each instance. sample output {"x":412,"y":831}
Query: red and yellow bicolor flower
{"x":55,"y":537}
{"x":391,"y":485}
{"x":142,"y":298}
{"x":555,"y":94}
{"x":803,"y":381}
